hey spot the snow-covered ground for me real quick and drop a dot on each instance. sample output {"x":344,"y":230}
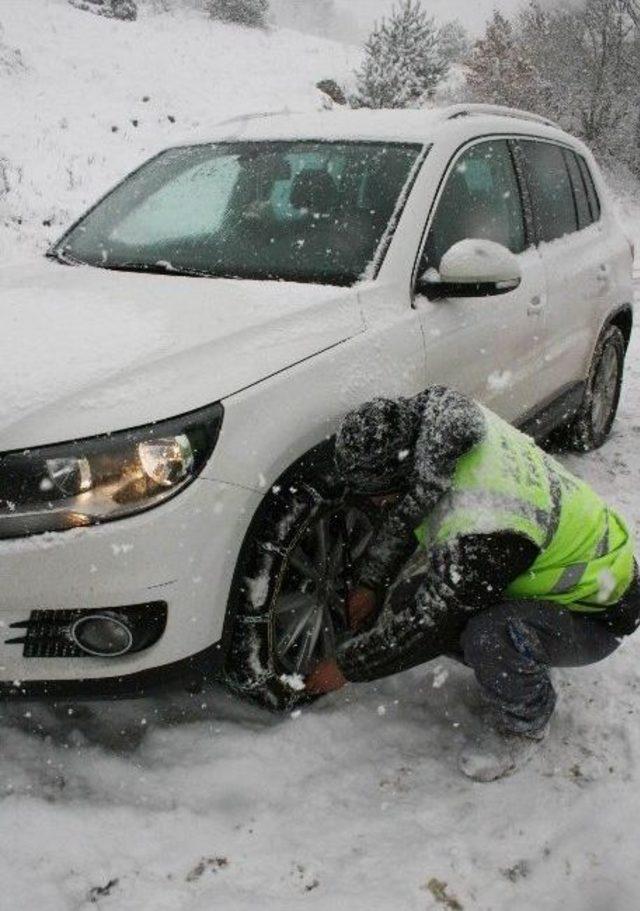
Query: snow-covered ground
{"x":199,"y":802}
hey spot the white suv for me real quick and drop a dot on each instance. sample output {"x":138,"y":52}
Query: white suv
{"x":173,"y":375}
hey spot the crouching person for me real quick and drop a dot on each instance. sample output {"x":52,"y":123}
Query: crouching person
{"x":491,"y":551}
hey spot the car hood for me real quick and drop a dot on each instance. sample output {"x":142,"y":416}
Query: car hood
{"x":86,"y":351}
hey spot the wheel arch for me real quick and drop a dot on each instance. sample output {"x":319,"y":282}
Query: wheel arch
{"x":313,"y":467}
{"x":623,"y":319}
{"x":580,"y":434}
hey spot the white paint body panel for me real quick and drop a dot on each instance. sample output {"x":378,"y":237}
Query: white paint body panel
{"x":164,"y":554}
{"x":86,"y":351}
{"x":287,"y":360}
{"x":490,"y":347}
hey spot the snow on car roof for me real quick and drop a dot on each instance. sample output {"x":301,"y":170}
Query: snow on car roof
{"x":415,"y":126}
{"x":400,"y":126}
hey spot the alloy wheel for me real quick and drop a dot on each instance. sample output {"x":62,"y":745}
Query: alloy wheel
{"x":605,"y":390}
{"x":309,"y":619}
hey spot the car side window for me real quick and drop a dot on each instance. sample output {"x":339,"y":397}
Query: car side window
{"x":579,"y":191}
{"x":481,"y":199}
{"x":592,"y":193}
{"x":550,"y":189}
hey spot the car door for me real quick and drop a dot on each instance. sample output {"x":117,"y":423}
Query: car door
{"x":489,"y":347}
{"x":574,"y":257}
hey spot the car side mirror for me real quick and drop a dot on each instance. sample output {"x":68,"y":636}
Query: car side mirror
{"x":472,"y":268}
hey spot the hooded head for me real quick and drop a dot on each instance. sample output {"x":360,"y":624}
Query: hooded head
{"x":374,"y":446}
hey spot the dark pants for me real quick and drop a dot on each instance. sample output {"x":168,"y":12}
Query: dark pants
{"x":512,"y":646}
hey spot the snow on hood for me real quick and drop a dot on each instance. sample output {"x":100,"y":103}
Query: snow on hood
{"x":87,"y":351}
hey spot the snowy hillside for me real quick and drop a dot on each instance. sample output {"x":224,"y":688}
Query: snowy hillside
{"x":86,"y":99}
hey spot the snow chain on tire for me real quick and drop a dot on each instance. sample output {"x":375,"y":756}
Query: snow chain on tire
{"x":250,"y":670}
{"x":580,"y":435}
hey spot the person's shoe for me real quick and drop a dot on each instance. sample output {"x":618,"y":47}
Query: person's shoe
{"x":495,"y":754}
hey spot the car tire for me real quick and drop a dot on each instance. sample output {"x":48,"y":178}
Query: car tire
{"x":592,"y":424}
{"x":281,"y":580}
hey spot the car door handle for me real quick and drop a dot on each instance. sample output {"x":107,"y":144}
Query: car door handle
{"x":536,"y":305}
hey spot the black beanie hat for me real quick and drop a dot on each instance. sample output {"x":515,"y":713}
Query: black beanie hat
{"x":374,"y":443}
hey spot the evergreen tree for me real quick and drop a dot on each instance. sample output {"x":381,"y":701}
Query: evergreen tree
{"x":454,"y":41}
{"x":578,"y":65}
{"x":403,"y":60}
{"x":499,"y":71}
{"x":245,"y":12}
{"x":586,"y":64}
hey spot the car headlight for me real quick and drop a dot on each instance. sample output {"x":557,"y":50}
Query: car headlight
{"x":103,"y":478}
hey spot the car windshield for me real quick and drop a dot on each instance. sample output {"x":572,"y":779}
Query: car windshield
{"x":291,"y":211}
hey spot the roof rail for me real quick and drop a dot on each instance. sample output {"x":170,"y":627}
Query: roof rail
{"x":466,"y":110}
{"x":254,"y":115}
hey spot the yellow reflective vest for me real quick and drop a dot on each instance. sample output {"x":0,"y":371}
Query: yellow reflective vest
{"x":506,"y":483}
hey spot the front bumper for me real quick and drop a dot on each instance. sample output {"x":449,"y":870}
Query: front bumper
{"x":183,"y":553}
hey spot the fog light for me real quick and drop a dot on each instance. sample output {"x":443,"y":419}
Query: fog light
{"x":102,"y":635}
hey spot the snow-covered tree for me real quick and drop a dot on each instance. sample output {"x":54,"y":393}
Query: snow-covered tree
{"x":499,"y":69}
{"x":588,"y":60}
{"x":632,"y":9}
{"x":403,"y":60}
{"x":454,"y":41}
{"x":245,"y":12}
{"x":609,"y":44}
{"x":579,"y":65}
{"x":112,"y":9}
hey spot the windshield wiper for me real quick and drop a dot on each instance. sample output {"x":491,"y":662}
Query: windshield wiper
{"x":63,"y":257}
{"x":159,"y":268}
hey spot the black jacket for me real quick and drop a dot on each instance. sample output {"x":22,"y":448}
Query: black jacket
{"x":436,"y":590}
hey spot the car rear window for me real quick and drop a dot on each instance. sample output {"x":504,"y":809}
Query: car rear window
{"x":550,"y":189}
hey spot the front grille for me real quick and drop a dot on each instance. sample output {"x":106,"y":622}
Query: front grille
{"x":47,"y":633}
